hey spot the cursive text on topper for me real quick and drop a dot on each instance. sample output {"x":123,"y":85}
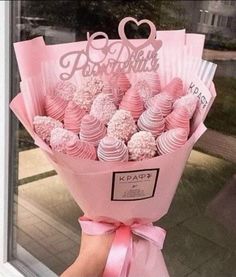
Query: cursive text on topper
{"x":107,"y":57}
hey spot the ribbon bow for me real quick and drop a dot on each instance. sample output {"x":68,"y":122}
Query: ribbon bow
{"x":120,"y":253}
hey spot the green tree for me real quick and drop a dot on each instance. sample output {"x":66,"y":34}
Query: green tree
{"x":91,"y":16}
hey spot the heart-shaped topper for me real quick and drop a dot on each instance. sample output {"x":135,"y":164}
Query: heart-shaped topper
{"x":151,"y":40}
{"x":102,"y":56}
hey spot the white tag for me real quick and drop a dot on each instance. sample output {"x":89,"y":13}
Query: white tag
{"x":134,"y":185}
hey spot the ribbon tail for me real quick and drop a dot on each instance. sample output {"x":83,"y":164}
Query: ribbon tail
{"x":152,"y":233}
{"x":118,"y":260}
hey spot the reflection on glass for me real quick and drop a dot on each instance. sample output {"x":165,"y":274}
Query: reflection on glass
{"x":201,"y":216}
{"x":213,"y":19}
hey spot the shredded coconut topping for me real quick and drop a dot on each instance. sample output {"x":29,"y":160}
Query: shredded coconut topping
{"x":142,"y":146}
{"x":122,"y":125}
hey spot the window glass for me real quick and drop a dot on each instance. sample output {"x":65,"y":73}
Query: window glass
{"x":200,"y":16}
{"x":201,"y":230}
{"x":232,"y":2}
{"x":213,"y":19}
{"x":205,"y":17}
{"x":222,"y":21}
{"x":229,"y":22}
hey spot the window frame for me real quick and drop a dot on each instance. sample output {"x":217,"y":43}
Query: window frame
{"x":229,"y":22}
{"x":213,"y":19}
{"x":6,"y":268}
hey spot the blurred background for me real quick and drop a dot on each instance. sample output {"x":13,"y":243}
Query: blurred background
{"x":201,"y":223}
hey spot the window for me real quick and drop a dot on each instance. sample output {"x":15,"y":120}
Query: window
{"x":43,"y":231}
{"x":213,"y":19}
{"x":200,"y":16}
{"x":229,"y":22}
{"x":206,"y":17}
{"x":222,"y":21}
{"x":226,"y":2}
{"x":230,"y":2}
{"x":203,"y":16}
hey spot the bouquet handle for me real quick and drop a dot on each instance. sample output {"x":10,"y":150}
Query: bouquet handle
{"x":119,"y":260}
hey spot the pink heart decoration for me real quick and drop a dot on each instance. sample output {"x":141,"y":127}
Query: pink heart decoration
{"x":150,"y":40}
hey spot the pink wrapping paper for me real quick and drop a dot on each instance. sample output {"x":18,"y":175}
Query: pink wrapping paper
{"x":104,"y":190}
{"x":136,"y":253}
{"x":147,"y":261}
{"x":79,"y":176}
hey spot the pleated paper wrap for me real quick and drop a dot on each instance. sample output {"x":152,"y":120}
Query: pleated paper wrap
{"x":100,"y":188}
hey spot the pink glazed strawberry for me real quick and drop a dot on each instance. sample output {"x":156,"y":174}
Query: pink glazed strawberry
{"x":153,"y":81}
{"x":133,"y":103}
{"x":103,"y":108}
{"x":112,"y":150}
{"x":142,"y":146}
{"x":171,"y":140}
{"x":121,"y":126}
{"x":65,"y":90}
{"x":55,"y":106}
{"x":43,"y":125}
{"x":92,"y":130}
{"x":174,"y":88}
{"x":163,"y":101}
{"x":59,"y":138}
{"x":73,"y":117}
{"x":152,"y":121}
{"x":178,"y":118}
{"x":81,"y":149}
{"x":188,"y":101}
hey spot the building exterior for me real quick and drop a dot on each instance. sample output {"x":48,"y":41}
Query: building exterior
{"x":215,"y":19}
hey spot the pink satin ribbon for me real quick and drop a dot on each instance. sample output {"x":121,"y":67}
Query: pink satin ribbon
{"x":121,"y":250}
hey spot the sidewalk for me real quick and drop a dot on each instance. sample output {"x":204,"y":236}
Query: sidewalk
{"x":218,"y":144}
{"x":209,"y":54}
{"x":196,"y":245}
{"x":46,"y":237}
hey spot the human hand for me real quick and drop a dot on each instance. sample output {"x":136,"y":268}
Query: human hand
{"x":92,"y":258}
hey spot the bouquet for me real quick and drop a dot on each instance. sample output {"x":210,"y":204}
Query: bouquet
{"x":118,"y":120}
